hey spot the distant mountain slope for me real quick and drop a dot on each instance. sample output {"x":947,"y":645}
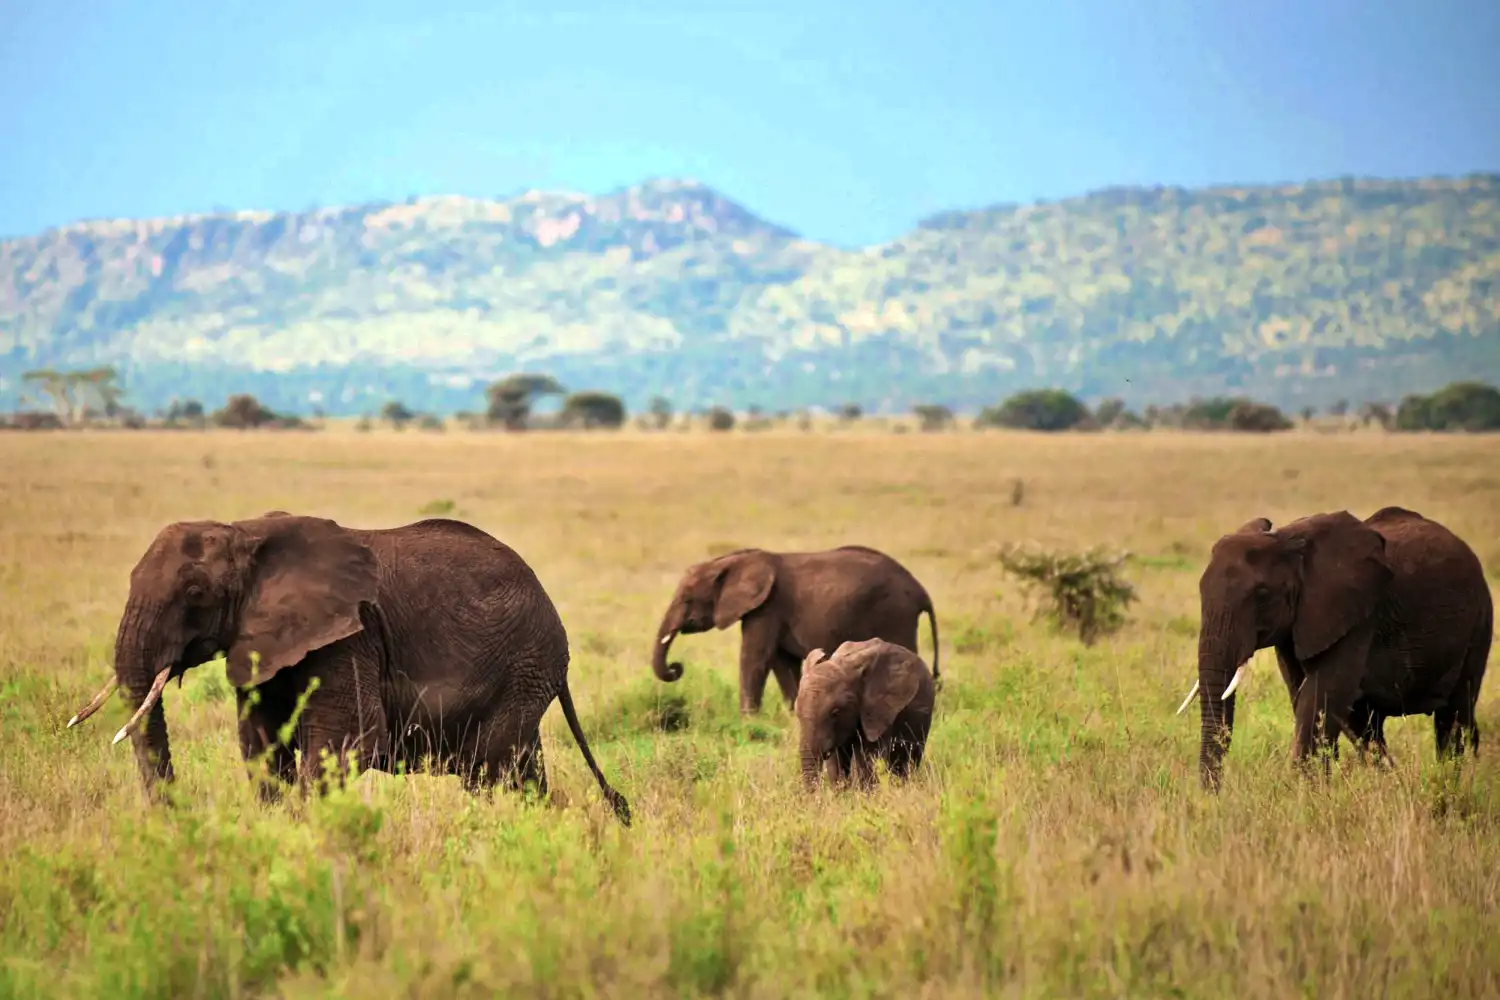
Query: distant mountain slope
{"x":1344,"y":288}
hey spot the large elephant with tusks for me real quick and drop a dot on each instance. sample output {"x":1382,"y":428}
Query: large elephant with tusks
{"x":432,"y":640}
{"x":1370,"y":619}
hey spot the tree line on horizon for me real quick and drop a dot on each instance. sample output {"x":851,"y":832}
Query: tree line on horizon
{"x":94,"y":398}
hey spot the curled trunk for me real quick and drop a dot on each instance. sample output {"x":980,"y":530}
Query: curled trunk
{"x":138,"y":657}
{"x":669,"y":624}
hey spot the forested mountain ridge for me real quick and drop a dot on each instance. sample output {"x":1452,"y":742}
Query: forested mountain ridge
{"x":1298,"y":292}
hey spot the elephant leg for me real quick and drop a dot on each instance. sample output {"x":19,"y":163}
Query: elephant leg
{"x":839,"y":766}
{"x":342,"y":716}
{"x":788,"y":672}
{"x":903,"y":756}
{"x":1455,"y":725}
{"x":864,"y":768}
{"x":757,"y":653}
{"x":509,"y":751}
{"x":1456,"y":730}
{"x":1322,"y":713}
{"x":272,"y":765}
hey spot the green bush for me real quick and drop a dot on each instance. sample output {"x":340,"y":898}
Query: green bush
{"x":1081,"y":592}
{"x":1036,"y":410}
{"x":1461,"y":406}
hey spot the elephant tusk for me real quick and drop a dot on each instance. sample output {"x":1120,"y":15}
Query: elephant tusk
{"x":94,"y":703}
{"x":1234,"y":681}
{"x":1188,"y":699}
{"x":668,"y":638}
{"x":152,"y":697}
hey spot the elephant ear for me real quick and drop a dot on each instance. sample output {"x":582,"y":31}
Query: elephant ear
{"x":892,"y":675}
{"x":306,"y":578}
{"x":1344,"y":575}
{"x":744,"y":584}
{"x":1255,"y":526}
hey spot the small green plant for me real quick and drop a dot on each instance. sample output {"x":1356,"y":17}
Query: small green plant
{"x":437,"y":508}
{"x":1084,"y":592}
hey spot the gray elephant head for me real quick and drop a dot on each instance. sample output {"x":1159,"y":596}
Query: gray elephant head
{"x":266,"y":592}
{"x":713,"y":594}
{"x":858,"y":691}
{"x":1304,"y":587}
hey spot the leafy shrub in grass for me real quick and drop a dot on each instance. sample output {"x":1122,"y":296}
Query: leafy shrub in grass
{"x":701,"y":701}
{"x":1082,"y":592}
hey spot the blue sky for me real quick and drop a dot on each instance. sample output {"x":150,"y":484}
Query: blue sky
{"x":845,"y":121}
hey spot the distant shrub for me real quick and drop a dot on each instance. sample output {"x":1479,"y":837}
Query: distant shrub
{"x":243,"y":411}
{"x":1377,"y":413}
{"x":185,"y":413}
{"x":430,"y":422}
{"x":1259,"y":417}
{"x":658,"y":413}
{"x":1036,"y":410}
{"x":933,"y":416}
{"x":1108,"y":411}
{"x":1081,"y":592}
{"x":590,"y":409}
{"x":397,"y":414}
{"x":720,"y":419}
{"x":1461,"y":406}
{"x":32,"y":420}
{"x":850,"y":412}
{"x":1231,"y":413}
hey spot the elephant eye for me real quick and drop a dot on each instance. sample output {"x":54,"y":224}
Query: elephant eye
{"x":195,"y":593}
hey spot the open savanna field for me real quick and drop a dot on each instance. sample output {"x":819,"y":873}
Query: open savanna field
{"x":1055,"y":842}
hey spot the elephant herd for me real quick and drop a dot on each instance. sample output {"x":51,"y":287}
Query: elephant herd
{"x":435,"y":640}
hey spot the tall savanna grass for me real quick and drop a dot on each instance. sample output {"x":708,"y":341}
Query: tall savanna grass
{"x":1055,"y":843}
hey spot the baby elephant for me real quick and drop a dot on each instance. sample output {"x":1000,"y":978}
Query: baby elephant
{"x":870,"y":698}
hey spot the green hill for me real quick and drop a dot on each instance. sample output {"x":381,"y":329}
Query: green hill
{"x":1360,"y":289}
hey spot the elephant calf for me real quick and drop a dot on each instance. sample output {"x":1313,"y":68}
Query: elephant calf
{"x":788,"y":603}
{"x":869,"y":699}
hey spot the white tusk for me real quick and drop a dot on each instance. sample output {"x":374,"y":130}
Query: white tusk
{"x":668,"y":638}
{"x":1188,"y":699}
{"x":1234,"y":681}
{"x":94,"y":703}
{"x":151,"y":698}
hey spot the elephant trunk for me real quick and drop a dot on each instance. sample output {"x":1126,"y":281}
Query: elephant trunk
{"x":1219,"y":656}
{"x":670,"y":623}
{"x":141,"y":663}
{"x":811,"y":763}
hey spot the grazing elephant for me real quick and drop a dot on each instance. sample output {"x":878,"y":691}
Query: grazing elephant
{"x":432,"y":638}
{"x":788,"y":603}
{"x":869,"y":699}
{"x":1383,"y":617}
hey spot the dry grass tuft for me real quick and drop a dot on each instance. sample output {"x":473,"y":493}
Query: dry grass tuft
{"x":1056,"y":843}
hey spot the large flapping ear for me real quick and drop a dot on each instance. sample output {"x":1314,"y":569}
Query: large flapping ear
{"x":1255,"y":526}
{"x":892,"y":675}
{"x":305,"y":578}
{"x":1344,"y":574}
{"x":745,"y":582}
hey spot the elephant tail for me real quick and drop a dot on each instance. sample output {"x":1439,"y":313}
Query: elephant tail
{"x":932,"y":621}
{"x":614,"y":798}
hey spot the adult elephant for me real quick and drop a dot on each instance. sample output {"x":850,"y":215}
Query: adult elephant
{"x":1388,"y":616}
{"x":429,"y":639}
{"x":790,"y":603}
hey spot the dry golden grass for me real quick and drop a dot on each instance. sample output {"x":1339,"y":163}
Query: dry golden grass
{"x":1056,"y":843}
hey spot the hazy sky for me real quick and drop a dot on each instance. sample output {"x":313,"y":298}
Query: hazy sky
{"x":846,"y":121}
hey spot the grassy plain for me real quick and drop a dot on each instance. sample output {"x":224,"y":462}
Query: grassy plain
{"x":1056,"y":843}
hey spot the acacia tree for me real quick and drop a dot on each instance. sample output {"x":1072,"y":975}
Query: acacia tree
{"x":511,"y":398}
{"x":71,"y":393}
